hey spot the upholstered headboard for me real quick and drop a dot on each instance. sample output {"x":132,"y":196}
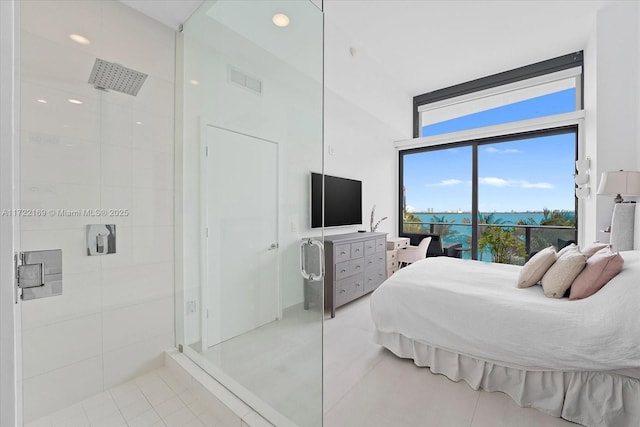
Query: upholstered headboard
{"x":636,"y":230}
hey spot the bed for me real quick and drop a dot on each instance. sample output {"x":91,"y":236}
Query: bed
{"x":579,"y":360}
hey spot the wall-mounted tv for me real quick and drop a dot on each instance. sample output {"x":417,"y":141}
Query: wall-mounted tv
{"x":342,"y":201}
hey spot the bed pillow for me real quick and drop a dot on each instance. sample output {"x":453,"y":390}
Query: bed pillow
{"x":562,"y":273}
{"x":603,"y":266}
{"x":569,"y":248}
{"x":535,"y":268}
{"x":591,"y":249}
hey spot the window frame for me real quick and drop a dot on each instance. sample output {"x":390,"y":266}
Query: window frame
{"x":538,"y":69}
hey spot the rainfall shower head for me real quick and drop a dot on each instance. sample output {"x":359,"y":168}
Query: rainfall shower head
{"x":109,"y":75}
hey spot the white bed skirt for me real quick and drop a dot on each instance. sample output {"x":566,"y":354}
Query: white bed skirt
{"x":593,"y":399}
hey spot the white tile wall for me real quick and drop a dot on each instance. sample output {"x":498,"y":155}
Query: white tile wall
{"x":115,"y":316}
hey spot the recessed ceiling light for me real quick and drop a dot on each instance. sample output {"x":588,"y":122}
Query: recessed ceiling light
{"x":280,"y":20}
{"x":138,"y":123}
{"x":194,"y":82}
{"x":42,"y":101}
{"x":74,"y":101}
{"x":80,"y":39}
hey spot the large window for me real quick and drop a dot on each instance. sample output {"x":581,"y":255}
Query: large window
{"x":495,"y":198}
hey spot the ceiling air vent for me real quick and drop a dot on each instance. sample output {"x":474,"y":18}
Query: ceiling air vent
{"x":244,"y":80}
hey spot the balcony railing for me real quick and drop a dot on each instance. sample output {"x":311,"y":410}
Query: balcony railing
{"x":532,"y":237}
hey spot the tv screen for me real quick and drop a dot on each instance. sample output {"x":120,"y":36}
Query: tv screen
{"x":342,"y":201}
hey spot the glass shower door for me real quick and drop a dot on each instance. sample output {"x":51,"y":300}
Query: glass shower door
{"x":250,"y":135}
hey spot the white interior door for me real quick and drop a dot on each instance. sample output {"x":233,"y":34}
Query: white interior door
{"x":241,"y":216}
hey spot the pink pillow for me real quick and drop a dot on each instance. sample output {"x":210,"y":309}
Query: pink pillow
{"x":591,"y":249}
{"x":603,"y":266}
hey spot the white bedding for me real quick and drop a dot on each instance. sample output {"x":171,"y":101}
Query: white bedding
{"x":475,"y":308}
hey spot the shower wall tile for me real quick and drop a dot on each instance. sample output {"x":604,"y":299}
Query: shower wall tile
{"x":60,"y":344}
{"x":113,"y":151}
{"x":54,"y":390}
{"x":69,"y":16}
{"x":128,"y":362}
{"x":153,"y":245}
{"x":153,"y":133}
{"x":152,"y":97}
{"x":152,"y":169}
{"x":144,"y":48}
{"x":126,"y":326}
{"x":134,"y":285}
{"x":81,"y":297}
{"x":64,"y":199}
{"x":152,"y":207}
{"x":56,"y":159}
{"x":117,"y":122}
{"x":116,"y":166}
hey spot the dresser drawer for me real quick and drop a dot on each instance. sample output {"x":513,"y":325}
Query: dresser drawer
{"x":357,"y":250}
{"x":373,"y":278}
{"x":397,"y":243}
{"x":392,"y":255}
{"x":381,"y":245}
{"x":374,"y":261}
{"x":392,"y":264}
{"x":369,"y":247}
{"x":349,"y":268}
{"x":342,"y":252}
{"x":349,"y":289}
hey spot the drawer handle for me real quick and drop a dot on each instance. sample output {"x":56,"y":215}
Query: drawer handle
{"x":342,"y":291}
{"x":370,"y":279}
{"x":357,"y":266}
{"x":357,"y":285}
{"x":343,"y":253}
{"x":343,"y":271}
{"x":358,"y":250}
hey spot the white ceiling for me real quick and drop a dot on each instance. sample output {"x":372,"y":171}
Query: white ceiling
{"x":416,"y":46}
{"x":169,"y":12}
{"x":432,"y":44}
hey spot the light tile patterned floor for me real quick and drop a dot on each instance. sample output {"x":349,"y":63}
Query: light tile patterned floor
{"x":156,"y":399}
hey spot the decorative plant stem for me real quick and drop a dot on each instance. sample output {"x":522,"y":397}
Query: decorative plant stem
{"x":371,"y":225}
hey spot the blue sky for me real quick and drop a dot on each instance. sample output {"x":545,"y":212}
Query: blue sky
{"x":523,"y":175}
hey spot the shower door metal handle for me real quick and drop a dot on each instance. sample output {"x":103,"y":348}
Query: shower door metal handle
{"x":305,"y":243}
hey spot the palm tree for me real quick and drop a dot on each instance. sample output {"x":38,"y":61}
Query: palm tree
{"x":442,"y":227}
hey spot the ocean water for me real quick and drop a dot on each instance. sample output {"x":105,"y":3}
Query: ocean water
{"x":462,"y":233}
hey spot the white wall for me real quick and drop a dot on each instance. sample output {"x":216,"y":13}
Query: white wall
{"x":114,"y":151}
{"x":360,"y":129}
{"x":611,"y":102}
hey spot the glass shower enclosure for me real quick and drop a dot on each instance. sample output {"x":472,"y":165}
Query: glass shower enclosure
{"x":249,"y":111}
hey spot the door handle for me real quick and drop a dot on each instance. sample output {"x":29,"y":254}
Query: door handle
{"x":273,"y":247}
{"x":303,"y":245}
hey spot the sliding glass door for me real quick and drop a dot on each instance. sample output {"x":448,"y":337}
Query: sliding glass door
{"x":497,"y":199}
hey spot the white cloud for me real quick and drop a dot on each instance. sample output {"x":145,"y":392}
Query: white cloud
{"x":445,"y":183}
{"x":505,"y":151}
{"x":500,"y":182}
{"x":496,"y":182}
{"x":409,"y":208}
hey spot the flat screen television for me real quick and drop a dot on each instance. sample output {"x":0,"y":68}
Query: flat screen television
{"x":342,"y":201}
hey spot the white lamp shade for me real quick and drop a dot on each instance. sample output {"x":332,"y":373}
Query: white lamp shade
{"x":625,"y":183}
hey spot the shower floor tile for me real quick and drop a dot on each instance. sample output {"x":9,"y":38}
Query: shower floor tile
{"x":156,"y":399}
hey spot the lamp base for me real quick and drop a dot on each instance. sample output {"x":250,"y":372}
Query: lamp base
{"x":618,"y":199}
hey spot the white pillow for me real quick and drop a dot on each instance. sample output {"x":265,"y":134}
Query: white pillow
{"x":535,"y":268}
{"x":562,"y":273}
